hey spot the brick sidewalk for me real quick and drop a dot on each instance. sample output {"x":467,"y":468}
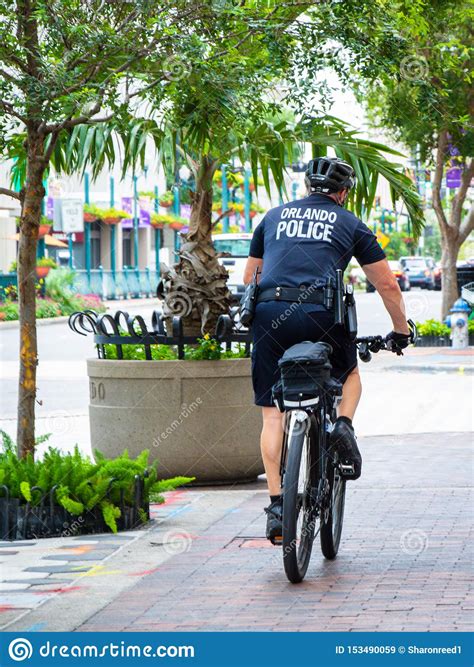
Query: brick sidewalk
{"x":404,"y":562}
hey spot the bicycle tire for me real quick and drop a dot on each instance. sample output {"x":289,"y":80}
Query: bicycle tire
{"x":332,"y":517}
{"x":298,"y":496}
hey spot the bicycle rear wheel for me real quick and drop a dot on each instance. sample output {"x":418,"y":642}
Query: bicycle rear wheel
{"x":333,"y":514}
{"x":299,"y":497}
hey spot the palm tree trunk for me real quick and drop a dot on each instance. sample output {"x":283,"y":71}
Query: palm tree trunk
{"x":196,"y":287}
{"x":29,"y":223}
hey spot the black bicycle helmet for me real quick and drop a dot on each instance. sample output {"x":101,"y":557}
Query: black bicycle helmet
{"x":329,"y":174}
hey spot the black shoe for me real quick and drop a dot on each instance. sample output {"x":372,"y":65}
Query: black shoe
{"x":344,"y":442}
{"x":274,"y":521}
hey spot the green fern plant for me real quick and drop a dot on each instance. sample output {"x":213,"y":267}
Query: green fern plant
{"x":81,"y":485}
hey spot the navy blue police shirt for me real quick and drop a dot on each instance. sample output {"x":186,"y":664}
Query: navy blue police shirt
{"x":305,"y":241}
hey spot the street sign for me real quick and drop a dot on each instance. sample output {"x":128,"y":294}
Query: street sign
{"x":453,"y":177}
{"x":49,"y":208}
{"x":72,"y":215}
{"x":383,"y":239}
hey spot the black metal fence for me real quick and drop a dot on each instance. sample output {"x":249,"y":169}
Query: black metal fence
{"x":44,"y":517}
{"x":124,"y":329}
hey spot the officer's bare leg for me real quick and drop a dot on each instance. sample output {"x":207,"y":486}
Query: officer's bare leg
{"x":351,"y":393}
{"x":270,"y":442}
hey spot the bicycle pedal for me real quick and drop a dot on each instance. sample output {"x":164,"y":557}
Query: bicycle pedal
{"x":347,"y":468}
{"x":277,"y":540}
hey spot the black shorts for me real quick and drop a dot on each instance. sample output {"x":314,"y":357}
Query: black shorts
{"x":280,"y":324}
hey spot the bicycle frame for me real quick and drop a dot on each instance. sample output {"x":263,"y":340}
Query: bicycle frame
{"x":317,"y":421}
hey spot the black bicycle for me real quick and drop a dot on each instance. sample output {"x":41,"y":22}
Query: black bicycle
{"x":313,"y":477}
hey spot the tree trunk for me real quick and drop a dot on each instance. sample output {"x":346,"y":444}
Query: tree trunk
{"x":454,"y":230}
{"x":196,"y":287}
{"x":449,"y":283}
{"x":32,"y":196}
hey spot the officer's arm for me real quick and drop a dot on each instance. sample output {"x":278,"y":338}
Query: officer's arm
{"x":252,"y":264}
{"x":382,"y":278}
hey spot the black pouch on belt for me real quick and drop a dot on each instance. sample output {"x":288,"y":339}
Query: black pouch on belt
{"x":350,"y":314}
{"x":248,"y":302}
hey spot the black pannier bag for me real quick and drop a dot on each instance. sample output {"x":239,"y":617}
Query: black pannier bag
{"x":333,"y":387}
{"x":304,"y":368}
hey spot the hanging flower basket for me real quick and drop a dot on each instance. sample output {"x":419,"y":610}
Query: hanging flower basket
{"x":252,"y":214}
{"x":176,"y":226}
{"x":90,"y":217}
{"x":166,"y":199}
{"x":43,"y":230}
{"x":112,"y":216}
{"x":252,"y":187}
{"x":42,"y":271}
{"x":44,"y":266}
{"x":159,"y":220}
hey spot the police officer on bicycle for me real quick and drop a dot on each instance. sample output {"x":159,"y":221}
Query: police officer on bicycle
{"x":297,"y":247}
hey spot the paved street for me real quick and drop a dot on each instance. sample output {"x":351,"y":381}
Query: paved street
{"x":60,"y":344}
{"x":404,"y":562}
{"x":62,"y":364}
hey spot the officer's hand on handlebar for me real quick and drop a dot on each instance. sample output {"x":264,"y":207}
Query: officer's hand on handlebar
{"x":396,"y":342}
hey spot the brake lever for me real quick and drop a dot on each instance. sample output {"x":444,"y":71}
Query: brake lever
{"x":413,"y":332}
{"x":390,"y":346}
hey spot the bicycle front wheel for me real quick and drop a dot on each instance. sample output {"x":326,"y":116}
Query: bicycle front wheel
{"x":299,"y":491}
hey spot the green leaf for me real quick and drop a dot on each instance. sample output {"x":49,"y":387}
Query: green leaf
{"x":26,"y":491}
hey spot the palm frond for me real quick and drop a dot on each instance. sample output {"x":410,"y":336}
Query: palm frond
{"x":269,"y":147}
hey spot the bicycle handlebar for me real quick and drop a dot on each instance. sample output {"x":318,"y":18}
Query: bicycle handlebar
{"x":373,"y":344}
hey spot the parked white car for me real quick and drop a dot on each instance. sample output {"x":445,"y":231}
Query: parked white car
{"x":232,"y":251}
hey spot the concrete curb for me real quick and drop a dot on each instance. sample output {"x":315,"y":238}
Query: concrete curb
{"x":111,"y":306}
{"x":14,"y":324}
{"x":426,"y":368}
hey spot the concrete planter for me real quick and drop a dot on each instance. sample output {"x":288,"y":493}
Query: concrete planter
{"x":196,"y":417}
